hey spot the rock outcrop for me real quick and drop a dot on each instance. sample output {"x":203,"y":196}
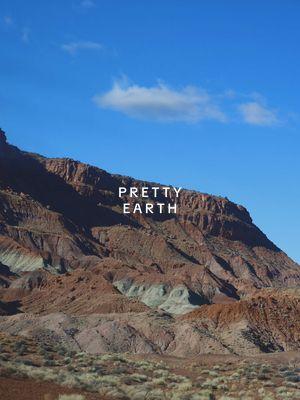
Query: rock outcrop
{"x":60,"y":214}
{"x":248,"y":327}
{"x":66,"y":246}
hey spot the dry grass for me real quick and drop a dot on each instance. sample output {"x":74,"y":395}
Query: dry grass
{"x":120,"y":376}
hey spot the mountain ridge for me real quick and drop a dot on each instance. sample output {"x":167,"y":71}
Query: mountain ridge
{"x":59,"y":214}
{"x":76,"y":270}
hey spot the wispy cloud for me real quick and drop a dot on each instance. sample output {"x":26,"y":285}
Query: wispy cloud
{"x":74,"y":47}
{"x":87,"y":3}
{"x":25,"y":35}
{"x":257,"y":113}
{"x":12,"y":26}
{"x":8,"y":21}
{"x":161,"y":103}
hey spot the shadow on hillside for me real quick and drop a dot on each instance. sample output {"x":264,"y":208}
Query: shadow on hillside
{"x":25,"y":174}
{"x":10,"y":308}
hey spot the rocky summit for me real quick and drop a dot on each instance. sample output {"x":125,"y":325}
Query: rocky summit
{"x":75,"y":268}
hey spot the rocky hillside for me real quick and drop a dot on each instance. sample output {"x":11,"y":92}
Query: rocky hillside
{"x":77,"y":271}
{"x":60,"y":215}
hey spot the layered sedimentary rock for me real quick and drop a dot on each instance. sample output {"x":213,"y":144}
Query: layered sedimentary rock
{"x":60,"y":214}
{"x":246,"y":327}
{"x":66,"y":247}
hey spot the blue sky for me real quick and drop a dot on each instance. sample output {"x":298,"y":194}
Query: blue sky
{"x":199,"y":94}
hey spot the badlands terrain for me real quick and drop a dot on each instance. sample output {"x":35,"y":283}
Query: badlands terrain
{"x":194,"y":305}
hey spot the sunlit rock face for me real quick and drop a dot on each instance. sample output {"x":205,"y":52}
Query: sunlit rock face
{"x":60,"y":215}
{"x":175,"y":300}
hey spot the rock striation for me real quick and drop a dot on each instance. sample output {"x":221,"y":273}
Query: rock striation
{"x":66,"y":247}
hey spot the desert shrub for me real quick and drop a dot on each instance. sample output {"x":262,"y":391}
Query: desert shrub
{"x":147,"y":366}
{"x":113,"y":357}
{"x":46,"y":347}
{"x":159,"y":381}
{"x":288,"y":373}
{"x":49,"y":363}
{"x":82,"y":354}
{"x":269,"y":384}
{"x":97,"y":369}
{"x":262,"y":377}
{"x":20,"y":347}
{"x":213,"y":373}
{"x":292,"y":378}
{"x":134,"y":378}
{"x":265,"y":369}
{"x":119,"y":370}
{"x":47,"y":356}
{"x":203,"y":395}
{"x":184,"y":386}
{"x":29,"y":362}
{"x":113,"y":393}
{"x":291,"y":384}
{"x":156,"y":394}
{"x":108,"y":380}
{"x":281,"y":389}
{"x":4,"y":357}
{"x":283,"y":368}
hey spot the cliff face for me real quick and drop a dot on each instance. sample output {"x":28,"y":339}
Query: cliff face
{"x":59,"y":215}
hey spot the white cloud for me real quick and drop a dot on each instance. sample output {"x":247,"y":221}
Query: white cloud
{"x":74,"y":47}
{"x":161,"y":103}
{"x":256,"y":113}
